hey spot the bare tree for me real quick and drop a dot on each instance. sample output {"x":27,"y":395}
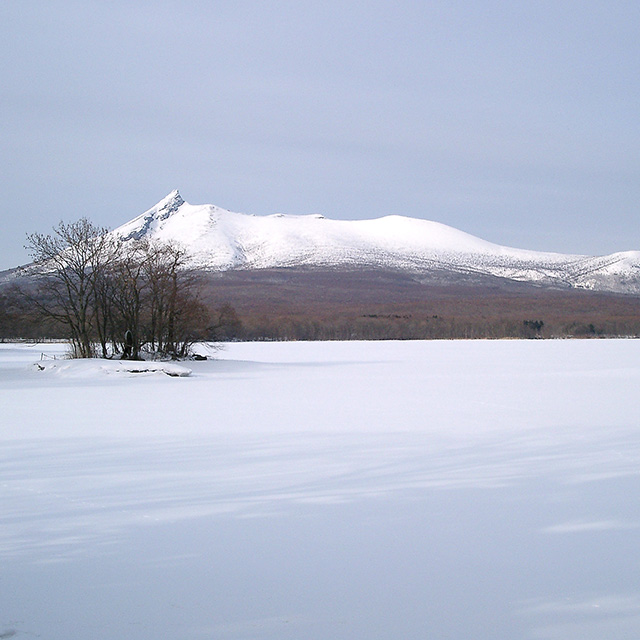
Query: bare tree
{"x":176,"y":316}
{"x":153,"y":295}
{"x":226,"y":325}
{"x":69,"y":263}
{"x":128,"y":296}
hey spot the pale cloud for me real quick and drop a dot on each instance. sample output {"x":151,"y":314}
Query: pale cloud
{"x":584,"y":526}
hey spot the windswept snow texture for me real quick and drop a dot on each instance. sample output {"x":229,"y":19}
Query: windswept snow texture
{"x":484,"y":490}
{"x":221,"y":240}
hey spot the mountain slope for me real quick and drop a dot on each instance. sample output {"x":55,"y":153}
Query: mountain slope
{"x":221,"y":240}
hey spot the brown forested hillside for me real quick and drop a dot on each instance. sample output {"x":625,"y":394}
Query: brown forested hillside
{"x":297,"y":304}
{"x":325,"y":304}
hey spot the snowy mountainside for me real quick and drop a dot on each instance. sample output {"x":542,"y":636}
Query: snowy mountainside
{"x":221,"y":240}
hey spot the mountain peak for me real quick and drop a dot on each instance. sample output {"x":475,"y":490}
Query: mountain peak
{"x":143,"y":224}
{"x":169,"y":204}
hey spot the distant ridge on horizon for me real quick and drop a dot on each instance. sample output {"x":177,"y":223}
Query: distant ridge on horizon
{"x":220,"y":240}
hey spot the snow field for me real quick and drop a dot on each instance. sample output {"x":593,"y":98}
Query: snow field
{"x":324,"y":490}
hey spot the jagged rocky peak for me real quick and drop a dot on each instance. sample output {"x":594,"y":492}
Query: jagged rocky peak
{"x":169,"y":205}
{"x":143,"y":224}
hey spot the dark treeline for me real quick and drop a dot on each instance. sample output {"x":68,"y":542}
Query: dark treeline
{"x":424,"y":328}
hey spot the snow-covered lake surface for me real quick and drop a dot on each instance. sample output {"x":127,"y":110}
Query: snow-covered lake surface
{"x":324,"y":491}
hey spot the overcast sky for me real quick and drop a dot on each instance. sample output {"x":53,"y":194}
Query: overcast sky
{"x":518,"y":122}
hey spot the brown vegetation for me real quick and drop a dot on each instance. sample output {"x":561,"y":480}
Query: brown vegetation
{"x":298,"y":304}
{"x":290,"y":304}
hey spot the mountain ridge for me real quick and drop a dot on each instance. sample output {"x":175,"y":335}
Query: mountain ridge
{"x":217,"y":239}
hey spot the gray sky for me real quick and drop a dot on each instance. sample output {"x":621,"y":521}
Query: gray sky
{"x":518,"y":122}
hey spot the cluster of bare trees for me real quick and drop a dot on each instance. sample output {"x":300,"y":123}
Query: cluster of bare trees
{"x":116,"y":297}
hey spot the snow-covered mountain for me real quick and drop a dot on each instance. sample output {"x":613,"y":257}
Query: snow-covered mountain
{"x":221,"y":240}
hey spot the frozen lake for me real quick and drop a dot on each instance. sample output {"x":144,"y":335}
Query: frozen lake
{"x":324,"y":491}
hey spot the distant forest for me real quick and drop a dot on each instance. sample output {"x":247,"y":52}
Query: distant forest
{"x":282,"y":304}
